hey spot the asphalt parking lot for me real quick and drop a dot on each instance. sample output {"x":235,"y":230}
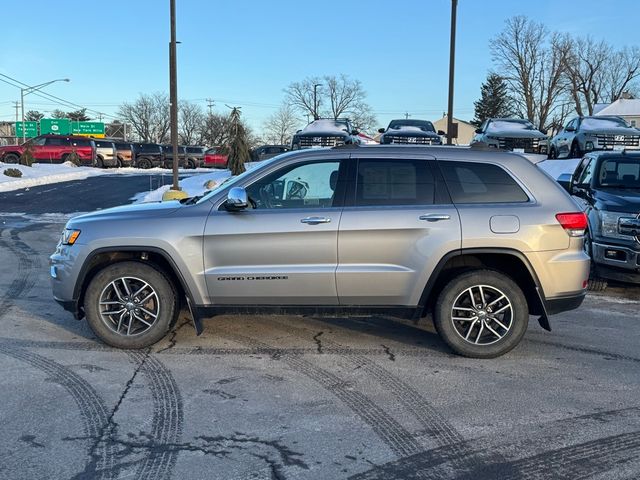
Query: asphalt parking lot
{"x":306,"y":398}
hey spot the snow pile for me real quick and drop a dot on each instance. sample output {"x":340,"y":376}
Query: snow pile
{"x":555,"y":168}
{"x":47,"y":173}
{"x":44,"y":174}
{"x":194,"y":185}
{"x":509,"y":125}
{"x":325,"y":125}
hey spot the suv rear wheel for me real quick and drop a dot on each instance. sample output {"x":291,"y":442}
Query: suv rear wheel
{"x":130,"y":305}
{"x":481,"y":314}
{"x":144,"y":163}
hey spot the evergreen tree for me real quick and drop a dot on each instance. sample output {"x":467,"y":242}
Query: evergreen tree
{"x":494,"y":101}
{"x":238,"y":146}
{"x":33,"y":116}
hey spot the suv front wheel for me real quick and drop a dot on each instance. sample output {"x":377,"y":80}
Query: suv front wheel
{"x":130,"y":305}
{"x":481,"y":314}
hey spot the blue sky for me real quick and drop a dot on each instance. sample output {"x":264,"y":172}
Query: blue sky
{"x":246,"y":52}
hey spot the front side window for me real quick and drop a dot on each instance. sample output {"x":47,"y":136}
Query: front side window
{"x":587,"y":174}
{"x":396,"y":182}
{"x":56,"y":141}
{"x":36,"y":142}
{"x":471,"y":182}
{"x":305,"y":185}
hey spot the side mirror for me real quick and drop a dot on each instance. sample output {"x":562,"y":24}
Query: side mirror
{"x":565,"y":182}
{"x":236,"y":199}
{"x":355,"y":132}
{"x":478,"y":130}
{"x":570,"y":129}
{"x":381,"y":130}
{"x":441,"y":132}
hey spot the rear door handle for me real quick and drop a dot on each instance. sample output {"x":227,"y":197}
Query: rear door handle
{"x":315,"y":220}
{"x":434,"y":217}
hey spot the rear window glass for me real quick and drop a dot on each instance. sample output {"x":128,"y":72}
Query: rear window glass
{"x":480,"y":183}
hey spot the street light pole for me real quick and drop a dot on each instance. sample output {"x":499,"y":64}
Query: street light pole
{"x":315,"y":100}
{"x":173,"y":94}
{"x":26,"y":91}
{"x":452,"y":60}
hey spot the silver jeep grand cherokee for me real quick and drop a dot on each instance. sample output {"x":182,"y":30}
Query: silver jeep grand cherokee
{"x":479,"y":239}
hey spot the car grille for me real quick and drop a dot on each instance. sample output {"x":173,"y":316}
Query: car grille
{"x":309,"y":141}
{"x":413,"y":140}
{"x":529,"y":145}
{"x":621,"y":140}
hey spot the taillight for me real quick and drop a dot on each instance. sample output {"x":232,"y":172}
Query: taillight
{"x":574,"y":223}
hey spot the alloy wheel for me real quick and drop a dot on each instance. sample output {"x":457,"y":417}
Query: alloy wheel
{"x":129,"y":306}
{"x":482,"y":315}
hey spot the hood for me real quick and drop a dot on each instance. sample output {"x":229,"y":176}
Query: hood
{"x":138,"y":210}
{"x":611,"y":131}
{"x":409,"y":132}
{"x":515,"y":133}
{"x":619,"y":200}
{"x":322,"y":133}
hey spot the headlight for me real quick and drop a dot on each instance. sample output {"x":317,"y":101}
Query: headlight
{"x":69,"y":236}
{"x":609,"y":225}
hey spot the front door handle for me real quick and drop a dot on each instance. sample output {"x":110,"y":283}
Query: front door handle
{"x":315,"y":220}
{"x":434,"y":217}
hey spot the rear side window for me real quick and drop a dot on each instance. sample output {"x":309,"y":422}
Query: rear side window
{"x":81,"y":143}
{"x":57,"y":141}
{"x":397,"y":182}
{"x":480,"y":183}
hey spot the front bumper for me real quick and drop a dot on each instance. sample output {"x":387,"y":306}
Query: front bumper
{"x":616,"y":262}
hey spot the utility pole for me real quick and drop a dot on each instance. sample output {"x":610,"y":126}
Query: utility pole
{"x":452,"y":61}
{"x":315,"y":100}
{"x":210,"y":104}
{"x":406,"y":115}
{"x":173,"y":93}
{"x":16,"y":129}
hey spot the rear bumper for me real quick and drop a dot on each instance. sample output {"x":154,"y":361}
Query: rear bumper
{"x":564,"y":304}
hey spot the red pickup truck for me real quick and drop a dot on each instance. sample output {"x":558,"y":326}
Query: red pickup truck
{"x":52,"y":149}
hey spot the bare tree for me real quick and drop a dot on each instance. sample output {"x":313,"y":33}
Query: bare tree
{"x":532,"y":61}
{"x":33,"y":116}
{"x":148,"y":116}
{"x":280,"y":127}
{"x":215,"y":130}
{"x":586,"y":66}
{"x":622,"y":73}
{"x":339,"y":96}
{"x":192,"y":120}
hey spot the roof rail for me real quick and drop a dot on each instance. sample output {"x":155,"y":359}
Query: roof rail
{"x":346,"y":145}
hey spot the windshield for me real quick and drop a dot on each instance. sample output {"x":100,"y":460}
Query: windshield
{"x":609,"y":122}
{"x":229,"y":182}
{"x":621,"y":172}
{"x":510,"y":125}
{"x":421,"y":124}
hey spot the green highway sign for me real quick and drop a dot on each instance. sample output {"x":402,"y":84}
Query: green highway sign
{"x":30,"y":129}
{"x":87,"y":128}
{"x":58,"y":126}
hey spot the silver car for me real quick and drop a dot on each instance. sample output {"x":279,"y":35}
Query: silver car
{"x":512,"y":134}
{"x":478,"y":239}
{"x":586,"y":134}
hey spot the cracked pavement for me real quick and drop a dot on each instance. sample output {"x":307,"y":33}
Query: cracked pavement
{"x":265,"y":397}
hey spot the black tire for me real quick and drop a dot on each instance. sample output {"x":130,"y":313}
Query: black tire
{"x":144,"y":163}
{"x":552,"y":155}
{"x":190,"y":164}
{"x":515,"y":316}
{"x":11,"y":158}
{"x":575,"y":151}
{"x":164,"y":303}
{"x":99,"y":162}
{"x":596,"y":283}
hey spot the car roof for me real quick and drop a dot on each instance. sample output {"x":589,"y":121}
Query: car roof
{"x":614,"y":154}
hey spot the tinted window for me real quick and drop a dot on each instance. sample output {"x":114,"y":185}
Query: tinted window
{"x":81,"y":143}
{"x":149,"y":148}
{"x":394,"y":182}
{"x":123,"y":146}
{"x":57,"y":141}
{"x":303,"y":185}
{"x":37,"y":141}
{"x":587,"y":174}
{"x":480,"y":183}
{"x":619,"y":172}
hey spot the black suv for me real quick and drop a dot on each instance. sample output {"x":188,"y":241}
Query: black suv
{"x":147,"y":155}
{"x":607,"y":185}
{"x":325,"y":133}
{"x":418,"y":132}
{"x":168,"y":156}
